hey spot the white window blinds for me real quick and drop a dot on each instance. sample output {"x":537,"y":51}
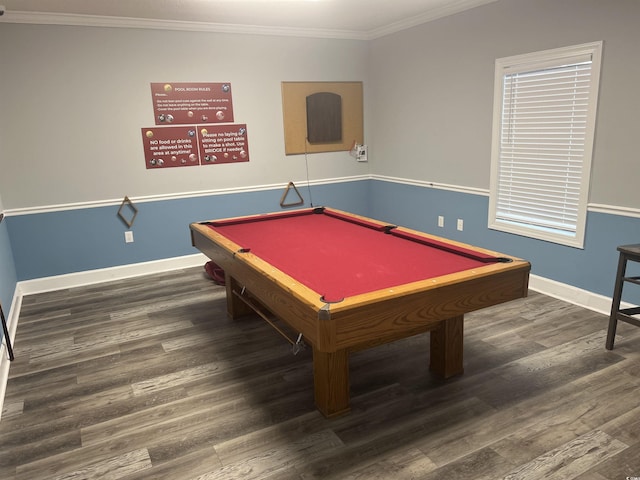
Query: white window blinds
{"x":540,"y":168}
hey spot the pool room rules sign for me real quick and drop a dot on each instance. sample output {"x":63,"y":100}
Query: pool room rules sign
{"x":193,"y":127}
{"x":189,"y":103}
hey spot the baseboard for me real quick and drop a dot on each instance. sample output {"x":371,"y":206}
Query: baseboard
{"x":583,"y":298}
{"x":5,"y":363}
{"x":89,"y":277}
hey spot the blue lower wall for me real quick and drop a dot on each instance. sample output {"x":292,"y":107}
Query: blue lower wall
{"x":47,"y":244}
{"x":592,"y":268}
{"x":8,"y":276}
{"x":56,"y":243}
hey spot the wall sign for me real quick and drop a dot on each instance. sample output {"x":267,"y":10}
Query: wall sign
{"x":170,"y":146}
{"x":192,"y":103}
{"x":193,"y":127}
{"x":193,"y":145}
{"x":223,"y":144}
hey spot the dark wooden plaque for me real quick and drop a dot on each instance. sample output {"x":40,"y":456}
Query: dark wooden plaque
{"x":324,"y":118}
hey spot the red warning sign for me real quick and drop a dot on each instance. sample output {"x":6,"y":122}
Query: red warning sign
{"x":170,"y":147}
{"x":192,"y":103}
{"x":223,"y":144}
{"x":192,"y":145}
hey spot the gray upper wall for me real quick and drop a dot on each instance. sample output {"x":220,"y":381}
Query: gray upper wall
{"x":74,"y":99}
{"x":431,"y":90}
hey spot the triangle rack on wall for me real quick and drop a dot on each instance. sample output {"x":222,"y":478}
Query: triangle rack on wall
{"x":300,"y":200}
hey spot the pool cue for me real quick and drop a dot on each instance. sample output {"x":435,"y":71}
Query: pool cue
{"x":5,"y":332}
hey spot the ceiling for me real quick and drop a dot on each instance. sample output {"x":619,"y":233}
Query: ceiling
{"x":364,"y":19}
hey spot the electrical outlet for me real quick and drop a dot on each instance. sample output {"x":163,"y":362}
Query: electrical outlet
{"x":440,"y":221}
{"x":128,"y":236}
{"x":460,"y":224}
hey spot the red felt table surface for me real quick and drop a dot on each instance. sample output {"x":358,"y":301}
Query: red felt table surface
{"x":338,"y":258}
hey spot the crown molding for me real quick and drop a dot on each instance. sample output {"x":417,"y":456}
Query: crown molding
{"x":41,"y":18}
{"x":450,"y":8}
{"x":45,"y":18}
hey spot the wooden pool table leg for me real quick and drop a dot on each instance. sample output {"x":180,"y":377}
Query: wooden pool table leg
{"x":446,"y":347}
{"x":331,"y":382}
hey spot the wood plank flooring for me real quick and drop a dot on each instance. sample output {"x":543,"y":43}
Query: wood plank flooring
{"x":147,"y":378}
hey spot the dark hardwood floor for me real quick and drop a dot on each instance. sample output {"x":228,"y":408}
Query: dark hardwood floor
{"x":147,"y":378}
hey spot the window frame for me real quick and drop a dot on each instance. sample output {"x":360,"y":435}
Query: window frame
{"x":533,"y":62}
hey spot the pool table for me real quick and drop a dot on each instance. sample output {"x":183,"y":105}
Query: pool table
{"x":344,"y":283}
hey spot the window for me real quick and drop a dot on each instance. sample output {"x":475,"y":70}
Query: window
{"x":543,"y":126}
